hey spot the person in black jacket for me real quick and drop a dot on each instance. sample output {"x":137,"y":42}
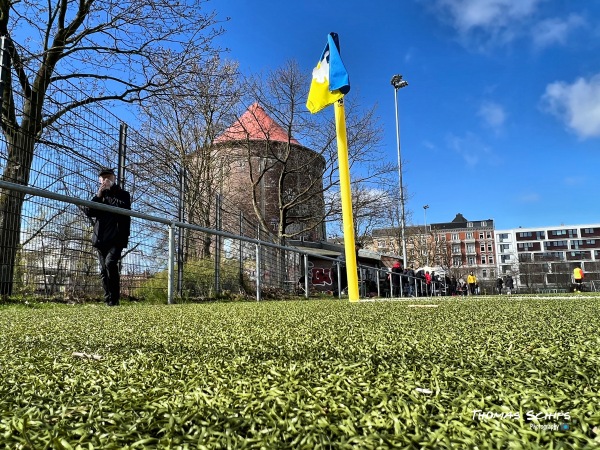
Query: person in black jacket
{"x":396,"y":278}
{"x":111,"y":233}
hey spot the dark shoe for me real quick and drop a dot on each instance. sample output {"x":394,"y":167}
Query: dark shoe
{"x":112,"y":304}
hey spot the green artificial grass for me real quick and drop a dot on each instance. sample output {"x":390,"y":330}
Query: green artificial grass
{"x":303,"y":374}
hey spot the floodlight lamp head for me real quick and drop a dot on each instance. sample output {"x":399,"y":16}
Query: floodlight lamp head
{"x":398,"y":82}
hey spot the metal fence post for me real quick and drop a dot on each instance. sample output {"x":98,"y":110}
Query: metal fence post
{"x":257,"y":272}
{"x":182,"y":231}
{"x":122,"y":154}
{"x":171,"y":265}
{"x":241,"y":256}
{"x":306,"y":275}
{"x":339,"y":279}
{"x":218,"y":246}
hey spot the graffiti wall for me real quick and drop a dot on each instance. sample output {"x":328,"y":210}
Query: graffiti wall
{"x":322,"y":274}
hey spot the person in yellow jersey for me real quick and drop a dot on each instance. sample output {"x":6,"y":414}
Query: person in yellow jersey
{"x":472,"y":282}
{"x":578,"y":277}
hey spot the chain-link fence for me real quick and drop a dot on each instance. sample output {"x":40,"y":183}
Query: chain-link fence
{"x":187,"y":241}
{"x":62,"y":264}
{"x":45,"y":239}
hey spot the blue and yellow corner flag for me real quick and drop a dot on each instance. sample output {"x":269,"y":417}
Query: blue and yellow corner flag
{"x":330,"y":80}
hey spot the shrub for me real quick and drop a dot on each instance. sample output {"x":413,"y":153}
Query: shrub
{"x":198,"y":282}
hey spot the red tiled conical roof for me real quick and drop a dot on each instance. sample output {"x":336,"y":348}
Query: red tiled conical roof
{"x":256,"y":125}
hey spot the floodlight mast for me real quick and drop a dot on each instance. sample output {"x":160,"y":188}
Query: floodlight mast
{"x":425,"y":208}
{"x":399,"y":83}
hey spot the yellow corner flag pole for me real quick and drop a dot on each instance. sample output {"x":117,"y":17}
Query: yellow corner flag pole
{"x":346,"y":194}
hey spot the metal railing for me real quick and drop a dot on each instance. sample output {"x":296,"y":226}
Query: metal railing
{"x":270,"y":267}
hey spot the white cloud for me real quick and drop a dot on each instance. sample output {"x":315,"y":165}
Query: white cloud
{"x":555,"y":31}
{"x":429,"y":145}
{"x":470,"y":148}
{"x":498,"y":19}
{"x":529,"y":197}
{"x":493,"y":114}
{"x":575,"y":181}
{"x":576,"y":104}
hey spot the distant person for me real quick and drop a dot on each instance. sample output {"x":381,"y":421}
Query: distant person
{"x":447,"y":285}
{"x":472,"y":282}
{"x":396,"y":275}
{"x":499,"y":284}
{"x":509,"y":284}
{"x":111,"y":233}
{"x":410,"y":276}
{"x":578,"y":277}
{"x":453,"y":286}
{"x":428,"y":283}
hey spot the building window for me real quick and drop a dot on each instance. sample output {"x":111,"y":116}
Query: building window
{"x":504,"y":258}
{"x":489,"y":235}
{"x":588,"y":230}
{"x":469,"y":235}
{"x":482,"y":247}
{"x":484,"y":273}
{"x":483,"y":260}
{"x":470,"y":248}
{"x":483,"y":223}
{"x":525,"y":234}
{"x":503,"y":237}
{"x":455,"y":236}
{"x":525,"y":245}
{"x":504,"y":247}
{"x":456,"y":262}
{"x":556,"y":244}
{"x":471,"y":260}
{"x":456,"y":249}
{"x":590,"y":241}
{"x":490,"y":260}
{"x":489,"y":248}
{"x":469,"y":224}
{"x":540,"y":235}
{"x":480,"y":235}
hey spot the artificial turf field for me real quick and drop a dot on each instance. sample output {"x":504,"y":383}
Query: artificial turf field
{"x":489,"y":372}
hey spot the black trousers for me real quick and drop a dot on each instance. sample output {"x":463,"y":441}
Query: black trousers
{"x":109,"y":273}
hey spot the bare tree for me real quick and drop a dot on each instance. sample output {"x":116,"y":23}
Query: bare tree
{"x":102,"y":51}
{"x":180,"y":127}
{"x":282,"y":93}
{"x":371,"y":209}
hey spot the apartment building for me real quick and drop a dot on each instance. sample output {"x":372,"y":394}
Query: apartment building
{"x":460,"y":246}
{"x":465,"y":246}
{"x":545,"y":256}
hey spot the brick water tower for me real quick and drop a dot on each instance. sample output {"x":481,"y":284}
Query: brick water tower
{"x":273,"y":179}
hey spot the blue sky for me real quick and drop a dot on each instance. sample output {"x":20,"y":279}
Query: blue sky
{"x":501,"y":118}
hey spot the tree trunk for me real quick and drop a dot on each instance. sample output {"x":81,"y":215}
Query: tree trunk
{"x":18,"y":166}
